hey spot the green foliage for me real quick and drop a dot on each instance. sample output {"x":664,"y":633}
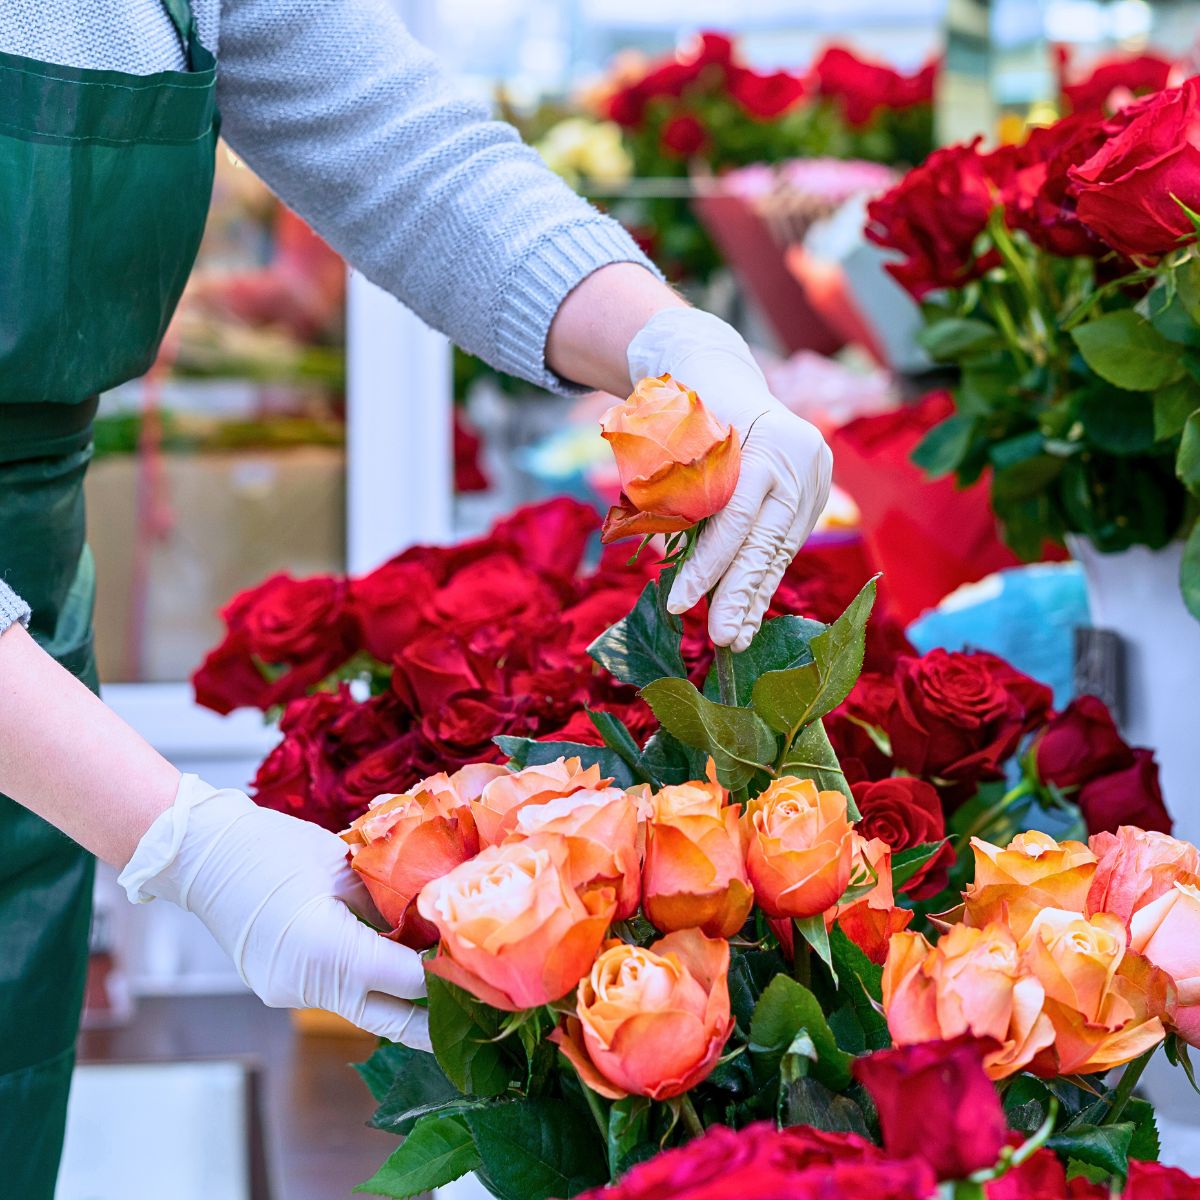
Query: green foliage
{"x":906,"y":863}
{"x":463,"y":1031}
{"x":946,"y":446}
{"x":629,"y":1140}
{"x":1118,"y":422}
{"x":811,"y":756}
{"x":1124,"y":349}
{"x":1173,"y":405}
{"x":666,"y":760}
{"x":1103,"y":1146}
{"x":1189,"y":572}
{"x":780,"y":645}
{"x":785,"y":1010}
{"x":956,"y":338}
{"x":439,"y":1150}
{"x":643,"y":646}
{"x":527,"y":752}
{"x":406,"y":1083}
{"x":1187,"y":464}
{"x":750,"y":973}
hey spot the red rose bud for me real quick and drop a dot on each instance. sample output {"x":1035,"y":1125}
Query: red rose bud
{"x":1128,"y":797}
{"x":936,"y":1103}
{"x":1080,"y":744}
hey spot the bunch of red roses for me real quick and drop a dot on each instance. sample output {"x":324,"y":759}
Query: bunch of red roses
{"x":862,"y":88}
{"x":1121,"y":76}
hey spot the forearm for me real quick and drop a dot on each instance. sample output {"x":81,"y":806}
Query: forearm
{"x":70,"y":759}
{"x":593,"y":327}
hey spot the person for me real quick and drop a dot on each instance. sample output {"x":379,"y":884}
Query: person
{"x":108,"y":128}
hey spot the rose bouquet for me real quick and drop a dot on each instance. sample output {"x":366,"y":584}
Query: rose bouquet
{"x":1061,"y":275}
{"x":630,"y":944}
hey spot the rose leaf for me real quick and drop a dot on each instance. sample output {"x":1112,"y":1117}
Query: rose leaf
{"x":644,"y":645}
{"x":439,"y":1150}
{"x":1127,"y":351}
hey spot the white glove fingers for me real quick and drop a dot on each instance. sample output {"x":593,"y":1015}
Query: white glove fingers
{"x":766,"y":588}
{"x":386,"y":966}
{"x":396,"y":1020}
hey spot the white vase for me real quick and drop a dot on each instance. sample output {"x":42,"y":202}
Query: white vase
{"x":1136,"y":594}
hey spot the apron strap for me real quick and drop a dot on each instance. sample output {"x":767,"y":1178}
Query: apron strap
{"x":180,"y":12}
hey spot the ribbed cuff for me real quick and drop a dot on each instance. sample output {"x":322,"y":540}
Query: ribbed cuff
{"x":13,"y":610}
{"x":542,"y":280}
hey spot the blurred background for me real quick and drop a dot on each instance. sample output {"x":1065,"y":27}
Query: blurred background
{"x":268,"y":437}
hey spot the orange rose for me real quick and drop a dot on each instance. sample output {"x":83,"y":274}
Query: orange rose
{"x":800,"y":845}
{"x":870,"y":921}
{"x":651,"y":1022}
{"x":601,"y":829}
{"x":496,"y":808}
{"x":678,"y":464}
{"x":1167,"y":932}
{"x":1104,"y":1004}
{"x":1136,"y":866}
{"x":1031,"y":873}
{"x":402,"y":842}
{"x":695,"y":873}
{"x":971,"y":982}
{"x":514,"y":931}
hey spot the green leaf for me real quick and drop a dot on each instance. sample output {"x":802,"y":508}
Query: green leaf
{"x":538,"y":1149}
{"x":1187,"y":462}
{"x":943,"y":449}
{"x":789,"y":700}
{"x":644,"y":646}
{"x":438,"y":1151}
{"x":629,"y":1140}
{"x":1187,"y":285}
{"x":906,"y":863}
{"x":780,"y":645}
{"x":1127,"y":351}
{"x":461,"y":1029}
{"x":1189,"y":571}
{"x":786,"y":1008}
{"x":667,"y":760}
{"x":1173,"y":405}
{"x":957,"y":337}
{"x":526,"y":752}
{"x":1103,"y":1146}
{"x":1118,"y":422}
{"x":808,"y":1102}
{"x":1145,"y":1145}
{"x":1024,"y":480}
{"x":750,"y":974}
{"x":861,"y":984}
{"x":740,"y":744}
{"x":1176,"y":324}
{"x":812,"y":756}
{"x":620,"y":741}
{"x":404,"y":1082}
{"x":813,"y":931}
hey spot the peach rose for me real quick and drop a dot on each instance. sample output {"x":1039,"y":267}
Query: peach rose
{"x":695,"y":871}
{"x":678,"y":464}
{"x":1135,"y":867}
{"x":870,"y":921}
{"x":651,"y":1022}
{"x":1167,"y":932}
{"x":971,"y":982}
{"x":496,"y":808}
{"x":601,"y":829}
{"x":1031,"y":873}
{"x":800,"y":845}
{"x":1105,"y":1005}
{"x":514,"y":931}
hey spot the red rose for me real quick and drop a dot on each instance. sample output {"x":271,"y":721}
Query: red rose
{"x":959,"y":716}
{"x":1128,"y":797}
{"x":1126,"y":192}
{"x":905,"y":812}
{"x":936,"y":1103}
{"x":1153,"y":1181}
{"x":552,"y":537}
{"x":594,"y":614}
{"x":229,"y":678}
{"x":286,"y":620}
{"x":468,"y":474}
{"x":434,"y":667}
{"x":282,"y":781}
{"x":390,"y":768}
{"x":497,"y":589}
{"x":1040,"y":1177}
{"x":1079,"y":744}
{"x":765,"y":97}
{"x":463,"y":727}
{"x":390,"y":604}
{"x":683,"y":136}
{"x":933,"y":216}
{"x":861,"y":88}
{"x":1140,"y":74}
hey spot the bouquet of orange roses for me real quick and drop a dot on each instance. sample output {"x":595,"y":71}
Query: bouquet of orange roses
{"x":631,"y":944}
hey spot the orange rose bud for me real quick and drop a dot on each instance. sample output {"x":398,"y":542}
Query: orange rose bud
{"x":1105,"y":1004}
{"x":651,"y":1022}
{"x":1031,"y":873}
{"x":514,"y":931}
{"x":601,"y":830}
{"x":496,"y":808}
{"x":695,"y":873}
{"x":870,"y":921}
{"x":800,"y":847}
{"x":1167,"y":932}
{"x":971,"y":982}
{"x":1136,"y":867}
{"x":403,"y":842}
{"x":678,"y":464}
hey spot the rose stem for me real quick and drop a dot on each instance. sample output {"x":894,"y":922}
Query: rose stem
{"x":690,"y":1117}
{"x":1121,"y":1096}
{"x":597,"y":1112}
{"x":801,"y":957}
{"x":726,"y":681}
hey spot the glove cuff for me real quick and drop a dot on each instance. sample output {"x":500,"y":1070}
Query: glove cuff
{"x":674,"y":335}
{"x":162,"y":865}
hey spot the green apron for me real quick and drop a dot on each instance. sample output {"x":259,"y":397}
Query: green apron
{"x":105,"y":182}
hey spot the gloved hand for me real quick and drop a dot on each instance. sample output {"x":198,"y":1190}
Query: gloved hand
{"x":784,"y":481}
{"x":280,"y":898}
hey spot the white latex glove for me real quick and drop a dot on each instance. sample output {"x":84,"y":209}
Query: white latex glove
{"x":280,"y":898}
{"x":784,"y":481}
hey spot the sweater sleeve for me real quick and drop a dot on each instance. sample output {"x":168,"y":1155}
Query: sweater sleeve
{"x":13,"y":610}
{"x":357,"y":127}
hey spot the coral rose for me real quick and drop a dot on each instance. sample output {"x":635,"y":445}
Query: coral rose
{"x":651,"y":1022}
{"x":1031,"y":873}
{"x":496,"y":809}
{"x":1167,"y":932}
{"x":1105,"y":1005}
{"x":971,"y":982}
{"x":678,"y":464}
{"x":695,"y":873}
{"x":601,"y":829}
{"x":800,"y":847}
{"x":870,"y":921}
{"x":1135,"y":867}
{"x":514,"y":931}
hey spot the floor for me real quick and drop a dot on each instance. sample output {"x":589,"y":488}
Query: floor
{"x":314,"y":1143}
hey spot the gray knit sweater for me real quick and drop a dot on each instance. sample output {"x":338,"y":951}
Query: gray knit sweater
{"x":357,"y":127}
